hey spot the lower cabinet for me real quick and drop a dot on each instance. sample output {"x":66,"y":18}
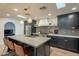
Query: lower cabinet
{"x":72,"y":44}
{"x":68,"y":43}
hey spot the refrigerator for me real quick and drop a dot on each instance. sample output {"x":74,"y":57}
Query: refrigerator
{"x":28,"y":30}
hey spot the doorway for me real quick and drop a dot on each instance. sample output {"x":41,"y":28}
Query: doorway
{"x":9,"y":29}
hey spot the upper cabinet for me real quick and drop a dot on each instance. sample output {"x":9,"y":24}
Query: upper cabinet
{"x":47,"y":22}
{"x":69,"y":21}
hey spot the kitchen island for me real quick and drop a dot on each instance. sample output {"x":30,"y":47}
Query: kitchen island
{"x":39,"y":44}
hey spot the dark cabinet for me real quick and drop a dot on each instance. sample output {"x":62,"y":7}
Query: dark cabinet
{"x":67,"y":21}
{"x":63,"y":22}
{"x":33,"y":28}
{"x":66,"y":43}
{"x":58,"y":41}
{"x":61,"y":42}
{"x":72,"y":44}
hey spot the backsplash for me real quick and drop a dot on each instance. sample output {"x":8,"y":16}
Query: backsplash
{"x":45,"y":29}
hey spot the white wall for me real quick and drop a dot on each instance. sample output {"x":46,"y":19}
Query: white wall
{"x":19,"y":29}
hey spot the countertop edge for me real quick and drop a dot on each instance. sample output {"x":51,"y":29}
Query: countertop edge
{"x":71,"y":36}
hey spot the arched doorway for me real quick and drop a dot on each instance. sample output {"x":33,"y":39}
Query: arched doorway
{"x":9,"y":29}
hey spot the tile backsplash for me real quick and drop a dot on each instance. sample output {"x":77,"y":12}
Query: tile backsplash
{"x":45,"y":29}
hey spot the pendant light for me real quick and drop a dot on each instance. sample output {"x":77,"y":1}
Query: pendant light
{"x":29,"y":20}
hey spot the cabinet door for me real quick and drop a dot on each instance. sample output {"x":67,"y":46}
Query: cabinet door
{"x":58,"y":41}
{"x":53,"y":41}
{"x":61,"y":42}
{"x":76,"y":21}
{"x":72,"y":44}
{"x":62,"y":22}
{"x":33,"y":29}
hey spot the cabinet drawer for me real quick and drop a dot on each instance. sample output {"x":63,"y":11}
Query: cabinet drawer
{"x":72,"y":44}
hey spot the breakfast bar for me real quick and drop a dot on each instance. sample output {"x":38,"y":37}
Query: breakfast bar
{"x":39,"y":44}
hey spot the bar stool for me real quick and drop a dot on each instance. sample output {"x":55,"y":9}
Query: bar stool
{"x":21,"y":51}
{"x":10,"y":44}
{"x":5,"y":41}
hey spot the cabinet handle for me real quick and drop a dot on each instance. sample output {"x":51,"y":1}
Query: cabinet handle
{"x":65,"y":40}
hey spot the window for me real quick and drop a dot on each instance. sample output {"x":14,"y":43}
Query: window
{"x":60,"y":5}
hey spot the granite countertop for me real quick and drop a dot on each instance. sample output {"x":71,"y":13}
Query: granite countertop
{"x":32,"y":41}
{"x":36,"y":33}
{"x":67,"y":33}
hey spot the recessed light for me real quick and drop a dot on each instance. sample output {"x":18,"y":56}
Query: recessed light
{"x":49,"y":14}
{"x":21,"y":16}
{"x":15,"y":9}
{"x":8,"y":14}
{"x":74,"y":8}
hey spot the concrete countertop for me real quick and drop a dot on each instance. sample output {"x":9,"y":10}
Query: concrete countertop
{"x":32,"y":41}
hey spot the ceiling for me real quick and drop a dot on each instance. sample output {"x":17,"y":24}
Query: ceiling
{"x":34,"y":10}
